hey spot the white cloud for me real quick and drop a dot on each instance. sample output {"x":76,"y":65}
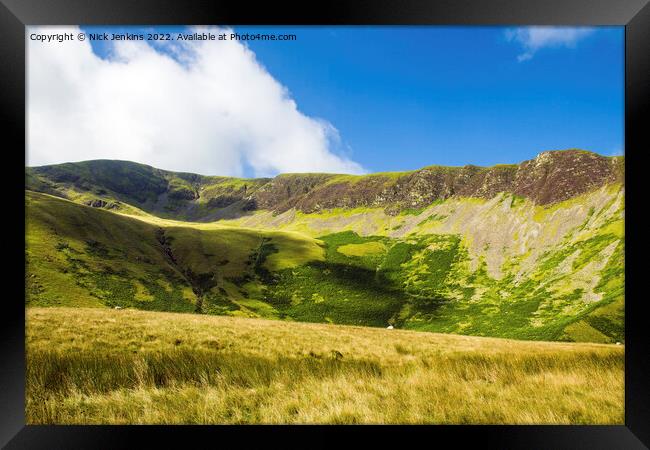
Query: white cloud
{"x":535,"y":38}
{"x":215,"y":112}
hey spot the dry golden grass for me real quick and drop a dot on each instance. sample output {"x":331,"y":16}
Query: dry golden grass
{"x":87,"y":365}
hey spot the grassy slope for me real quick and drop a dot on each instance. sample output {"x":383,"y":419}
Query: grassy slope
{"x":419,"y":280}
{"x":503,"y":267}
{"x":82,"y":256}
{"x":90,"y":365}
{"x":137,"y":188}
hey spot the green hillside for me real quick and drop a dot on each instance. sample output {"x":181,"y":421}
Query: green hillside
{"x":81,"y":256}
{"x":503,"y":266}
{"x":140,"y":189}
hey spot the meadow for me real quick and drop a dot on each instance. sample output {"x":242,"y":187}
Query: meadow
{"x":108,"y":366}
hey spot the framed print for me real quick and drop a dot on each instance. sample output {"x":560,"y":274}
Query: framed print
{"x":271,"y":222}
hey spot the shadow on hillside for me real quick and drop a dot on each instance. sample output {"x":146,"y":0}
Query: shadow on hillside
{"x":234,"y":211}
{"x":375,"y":284}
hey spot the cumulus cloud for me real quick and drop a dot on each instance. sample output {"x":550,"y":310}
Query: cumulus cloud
{"x":200,"y":106}
{"x":535,"y":38}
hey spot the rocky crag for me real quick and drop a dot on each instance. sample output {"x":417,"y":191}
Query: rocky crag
{"x":551,"y":177}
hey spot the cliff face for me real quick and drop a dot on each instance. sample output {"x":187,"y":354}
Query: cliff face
{"x":560,"y":175}
{"x":551,"y":177}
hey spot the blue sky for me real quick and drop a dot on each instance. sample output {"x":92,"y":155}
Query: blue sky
{"x":406,"y":97}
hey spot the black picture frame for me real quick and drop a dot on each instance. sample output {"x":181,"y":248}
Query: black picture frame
{"x":633,"y":14}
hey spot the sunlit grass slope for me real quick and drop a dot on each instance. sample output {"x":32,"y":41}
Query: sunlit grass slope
{"x":563,"y":279}
{"x":81,"y":256}
{"x":91,"y":365}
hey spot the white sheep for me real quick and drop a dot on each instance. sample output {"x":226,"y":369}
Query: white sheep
{"x":389,"y":327}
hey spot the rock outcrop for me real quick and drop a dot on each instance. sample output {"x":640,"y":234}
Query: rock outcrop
{"x":551,"y":177}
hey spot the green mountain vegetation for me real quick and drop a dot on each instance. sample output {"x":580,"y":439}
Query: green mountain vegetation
{"x":531,"y":251}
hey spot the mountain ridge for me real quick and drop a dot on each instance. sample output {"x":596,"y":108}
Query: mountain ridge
{"x":450,"y":251}
{"x":551,"y":177}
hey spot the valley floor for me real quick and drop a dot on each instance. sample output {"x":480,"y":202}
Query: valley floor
{"x":107,"y":366}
